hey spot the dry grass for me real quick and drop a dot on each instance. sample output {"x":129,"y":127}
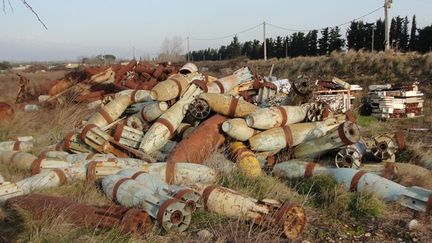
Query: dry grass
{"x":333,"y":214}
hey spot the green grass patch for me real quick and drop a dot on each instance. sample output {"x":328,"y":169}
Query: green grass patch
{"x":366,"y":121}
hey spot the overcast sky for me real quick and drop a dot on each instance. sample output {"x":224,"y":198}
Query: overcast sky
{"x":84,"y":28}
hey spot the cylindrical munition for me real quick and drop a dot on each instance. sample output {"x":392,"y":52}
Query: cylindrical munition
{"x":42,"y":206}
{"x":99,"y":140}
{"x":346,"y":133}
{"x":200,"y":143}
{"x":46,"y":164}
{"x":73,"y":143}
{"x":47,"y":179}
{"x":290,"y":218}
{"x":175,"y":86}
{"x":351,"y":156}
{"x":164,"y":127}
{"x":110,"y":112}
{"x":191,"y":199}
{"x":246,"y":160}
{"x":416,"y":198}
{"x":128,"y":136}
{"x":135,"y":95}
{"x":169,"y":212}
{"x":100,"y":169}
{"x":226,"y":84}
{"x":386,"y":145}
{"x":238,"y":129}
{"x":266,"y":118}
{"x":184,"y":130}
{"x":16,"y":146}
{"x":228,"y":105}
{"x":135,"y":122}
{"x":290,"y":135}
{"x":152,"y":110}
{"x":21,"y":160}
{"x":183,"y":173}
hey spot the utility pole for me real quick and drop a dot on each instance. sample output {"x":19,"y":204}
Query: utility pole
{"x":264,"y":41}
{"x":133,"y":52}
{"x":373,"y":37}
{"x":387,"y":5}
{"x":188,"y":58}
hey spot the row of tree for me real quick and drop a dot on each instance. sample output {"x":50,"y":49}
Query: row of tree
{"x":359,"y":36}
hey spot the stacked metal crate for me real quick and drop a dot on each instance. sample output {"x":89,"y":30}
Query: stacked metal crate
{"x":396,"y":102}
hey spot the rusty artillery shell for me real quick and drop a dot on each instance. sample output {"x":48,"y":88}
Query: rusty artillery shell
{"x":42,"y":206}
{"x":21,"y":160}
{"x":226,"y":84}
{"x":16,"y":145}
{"x":44,"y":180}
{"x":246,"y":160}
{"x":228,"y":105}
{"x":165,"y":126}
{"x":152,"y":110}
{"x":290,"y":135}
{"x":346,"y":133}
{"x":191,"y":199}
{"x":288,"y":218}
{"x":267,"y":118}
{"x":200,"y":143}
{"x":169,"y":212}
{"x":127,"y":135}
{"x":238,"y":129}
{"x":175,"y":86}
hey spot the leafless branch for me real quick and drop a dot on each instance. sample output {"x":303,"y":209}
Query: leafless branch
{"x":4,"y":8}
{"x":34,"y":12}
{"x":10,"y":5}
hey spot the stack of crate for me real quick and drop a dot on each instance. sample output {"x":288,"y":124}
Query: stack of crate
{"x":402,"y":102}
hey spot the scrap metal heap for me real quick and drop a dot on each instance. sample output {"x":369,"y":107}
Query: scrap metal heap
{"x":147,"y":146}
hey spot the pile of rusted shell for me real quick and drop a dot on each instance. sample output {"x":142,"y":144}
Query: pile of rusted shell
{"x":148,"y":143}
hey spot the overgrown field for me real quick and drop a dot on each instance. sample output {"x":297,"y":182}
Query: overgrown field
{"x":333,"y":214}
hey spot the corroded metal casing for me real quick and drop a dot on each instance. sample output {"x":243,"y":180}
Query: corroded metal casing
{"x":44,"y":180}
{"x":41,"y":206}
{"x":183,"y":173}
{"x":72,"y":143}
{"x":246,"y":160}
{"x":175,"y":86}
{"x":226,"y":84}
{"x":386,"y":145}
{"x":99,"y":140}
{"x":191,"y":199}
{"x":346,"y":133}
{"x":238,"y":129}
{"x":135,"y":95}
{"x":21,"y":160}
{"x":184,"y":130}
{"x":288,"y":218}
{"x":169,"y":212}
{"x":151,"y":111}
{"x":200,"y":143}
{"x":100,"y":169}
{"x":127,"y":135}
{"x":24,"y":146}
{"x":415,"y":198}
{"x":110,"y":112}
{"x":164,"y":127}
{"x":267,"y":118}
{"x":290,"y":135}
{"x":351,"y":156}
{"x":135,"y":122}
{"x":228,"y":105}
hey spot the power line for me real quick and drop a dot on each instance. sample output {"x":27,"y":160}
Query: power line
{"x":339,"y":25}
{"x":226,"y":36}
